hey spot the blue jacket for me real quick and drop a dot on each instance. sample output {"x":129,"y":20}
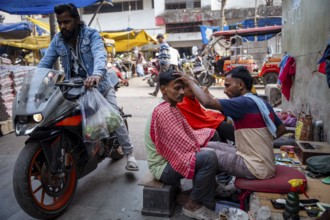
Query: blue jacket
{"x":91,"y":52}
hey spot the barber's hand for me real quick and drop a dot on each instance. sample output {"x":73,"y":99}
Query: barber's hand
{"x":206,"y":90}
{"x":185,"y":78}
{"x":92,"y":81}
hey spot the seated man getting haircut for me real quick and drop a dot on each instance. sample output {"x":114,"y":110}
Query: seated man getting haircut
{"x":174,"y":150}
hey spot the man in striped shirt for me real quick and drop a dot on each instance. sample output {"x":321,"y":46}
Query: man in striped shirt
{"x":164,"y":59}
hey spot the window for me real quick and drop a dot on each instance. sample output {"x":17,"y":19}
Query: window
{"x":176,"y":5}
{"x":197,"y":4}
{"x":173,"y":4}
{"x":183,"y":27}
{"x":117,"y":7}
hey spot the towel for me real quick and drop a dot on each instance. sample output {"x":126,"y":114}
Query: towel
{"x":264,"y":112}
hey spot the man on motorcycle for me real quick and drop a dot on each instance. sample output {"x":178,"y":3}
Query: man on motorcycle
{"x":83,"y":55}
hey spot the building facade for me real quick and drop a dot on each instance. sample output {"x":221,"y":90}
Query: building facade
{"x":179,"y":19}
{"x":309,"y":92}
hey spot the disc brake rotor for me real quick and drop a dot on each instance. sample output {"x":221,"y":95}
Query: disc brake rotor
{"x":54,"y":184}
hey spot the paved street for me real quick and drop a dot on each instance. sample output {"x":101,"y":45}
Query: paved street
{"x":109,"y":192}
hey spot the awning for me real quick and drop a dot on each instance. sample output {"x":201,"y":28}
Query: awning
{"x":30,"y":43}
{"x":18,"y":30}
{"x":15,"y":30}
{"x":20,"y":26}
{"x":123,"y":41}
{"x":29,"y":7}
{"x":126,"y":41}
{"x":45,"y":26}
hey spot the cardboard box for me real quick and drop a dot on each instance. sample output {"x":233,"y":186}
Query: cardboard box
{"x":306,"y":149}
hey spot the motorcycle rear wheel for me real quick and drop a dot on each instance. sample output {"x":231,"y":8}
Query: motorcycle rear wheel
{"x":31,"y":190}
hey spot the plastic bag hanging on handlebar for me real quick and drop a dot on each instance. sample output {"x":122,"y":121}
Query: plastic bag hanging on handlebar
{"x":99,"y":117}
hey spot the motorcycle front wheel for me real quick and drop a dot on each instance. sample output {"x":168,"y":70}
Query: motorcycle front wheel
{"x":40,"y":193}
{"x":205,"y":79}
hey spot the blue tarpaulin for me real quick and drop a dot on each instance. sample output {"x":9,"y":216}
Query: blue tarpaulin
{"x":261,"y":22}
{"x":207,"y":31}
{"x":20,"y":26}
{"x":29,"y":7}
{"x":245,"y":24}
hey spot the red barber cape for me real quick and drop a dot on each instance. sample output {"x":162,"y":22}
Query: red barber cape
{"x":197,"y":116}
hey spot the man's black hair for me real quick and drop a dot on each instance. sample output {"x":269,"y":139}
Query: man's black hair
{"x":166,"y":77}
{"x":71,"y":8}
{"x":242,"y":73}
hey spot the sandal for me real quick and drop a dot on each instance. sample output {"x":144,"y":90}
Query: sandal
{"x":202,"y":213}
{"x":326,"y":180}
{"x":153,"y":94}
{"x":131,"y":163}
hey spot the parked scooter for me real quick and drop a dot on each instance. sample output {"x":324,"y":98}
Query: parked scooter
{"x":54,"y":156}
{"x":153,"y":71}
{"x":122,"y":80}
{"x":19,"y":61}
{"x":200,"y":68}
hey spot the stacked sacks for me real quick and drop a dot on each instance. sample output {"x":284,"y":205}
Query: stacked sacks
{"x":7,"y":93}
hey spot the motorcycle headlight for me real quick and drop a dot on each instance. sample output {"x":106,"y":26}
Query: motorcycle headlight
{"x":37,"y":117}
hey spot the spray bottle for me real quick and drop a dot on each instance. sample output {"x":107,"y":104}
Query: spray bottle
{"x":291,"y":210}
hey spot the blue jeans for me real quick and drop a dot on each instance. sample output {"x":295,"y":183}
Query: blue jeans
{"x":121,"y":132}
{"x":204,"y":179}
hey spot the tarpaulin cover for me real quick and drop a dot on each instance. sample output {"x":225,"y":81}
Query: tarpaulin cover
{"x":263,"y":33}
{"x":127,"y":40}
{"x":249,"y":24}
{"x":29,"y":7}
{"x":45,"y":26}
{"x":20,"y":26}
{"x":207,"y":32}
{"x":30,"y":43}
{"x":124,"y":41}
{"x":261,"y":22}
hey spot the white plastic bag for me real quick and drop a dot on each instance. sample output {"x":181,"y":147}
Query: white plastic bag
{"x":99,"y":117}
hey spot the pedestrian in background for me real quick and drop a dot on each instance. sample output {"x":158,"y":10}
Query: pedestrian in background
{"x":139,"y":64}
{"x":174,"y":58}
{"x":164,"y":59}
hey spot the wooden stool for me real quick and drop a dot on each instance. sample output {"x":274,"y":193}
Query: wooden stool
{"x":158,"y":198}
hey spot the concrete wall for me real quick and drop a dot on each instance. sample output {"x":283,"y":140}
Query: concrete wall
{"x":306,"y":29}
{"x":137,"y":19}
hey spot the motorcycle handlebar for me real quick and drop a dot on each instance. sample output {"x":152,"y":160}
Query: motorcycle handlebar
{"x":73,"y":85}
